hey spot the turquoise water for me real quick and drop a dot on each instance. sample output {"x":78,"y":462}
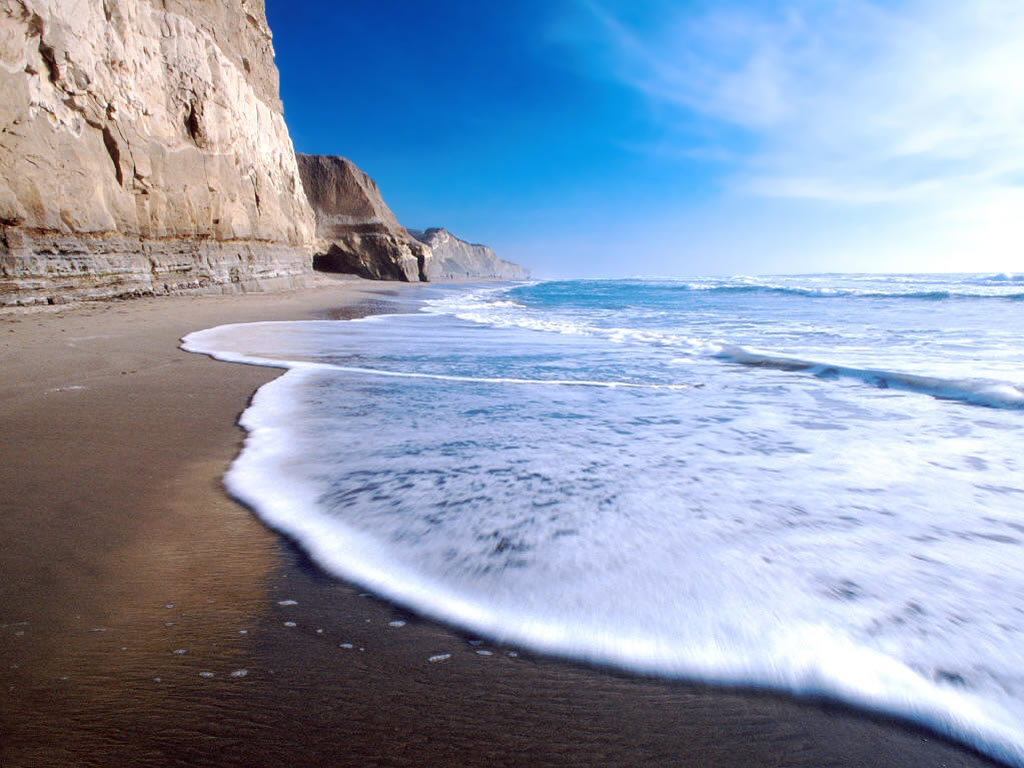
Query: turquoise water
{"x":811,"y":484}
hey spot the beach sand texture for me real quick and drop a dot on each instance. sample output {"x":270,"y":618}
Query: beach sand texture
{"x":146,"y":619}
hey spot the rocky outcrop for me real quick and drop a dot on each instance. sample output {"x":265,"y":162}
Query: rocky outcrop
{"x":355,"y":230}
{"x":143,"y":150}
{"x":455,"y":259}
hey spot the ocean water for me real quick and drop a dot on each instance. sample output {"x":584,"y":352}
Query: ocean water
{"x":812,"y":484}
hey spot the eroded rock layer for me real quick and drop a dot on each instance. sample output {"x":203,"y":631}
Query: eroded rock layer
{"x":455,"y":259}
{"x":355,"y":230}
{"x":143,"y":150}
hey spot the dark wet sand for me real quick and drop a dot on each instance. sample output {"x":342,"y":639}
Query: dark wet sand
{"x":118,"y":548}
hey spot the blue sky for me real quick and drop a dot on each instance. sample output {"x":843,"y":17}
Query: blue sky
{"x":601,"y":138}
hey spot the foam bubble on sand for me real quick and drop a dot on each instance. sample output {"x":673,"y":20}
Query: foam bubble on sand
{"x":290,"y":624}
{"x":347,"y":646}
{"x":240,"y":673}
{"x":287,"y":602}
{"x":396,"y":623}
{"x":206,"y":674}
{"x":180,"y":651}
{"x":482,"y":652}
{"x":440,"y":657}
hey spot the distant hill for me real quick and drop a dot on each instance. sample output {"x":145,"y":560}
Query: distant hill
{"x":454,"y":259}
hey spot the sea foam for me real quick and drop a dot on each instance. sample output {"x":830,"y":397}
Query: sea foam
{"x":767,"y":530}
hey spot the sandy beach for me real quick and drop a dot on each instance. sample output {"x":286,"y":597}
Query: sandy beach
{"x":146,"y":619}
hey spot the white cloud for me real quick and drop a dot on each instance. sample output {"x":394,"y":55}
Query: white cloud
{"x":849,"y":101}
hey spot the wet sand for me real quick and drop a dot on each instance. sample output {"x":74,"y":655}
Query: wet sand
{"x":148,"y":620}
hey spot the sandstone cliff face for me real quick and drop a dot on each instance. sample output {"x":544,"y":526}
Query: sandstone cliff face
{"x":355,"y":230}
{"x":456,"y":259}
{"x":143,"y":150}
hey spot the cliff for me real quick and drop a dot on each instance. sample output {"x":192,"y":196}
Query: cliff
{"x":355,"y":230}
{"x":455,"y":259}
{"x":143,"y":150}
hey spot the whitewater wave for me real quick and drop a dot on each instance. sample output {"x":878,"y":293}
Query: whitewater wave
{"x":987,"y":392}
{"x":568,"y":327}
{"x":976,"y":391}
{"x":1005,"y":287}
{"x":843,"y":293}
{"x":1002,"y":277}
{"x":483,"y":311}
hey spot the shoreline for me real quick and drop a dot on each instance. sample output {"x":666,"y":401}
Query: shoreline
{"x":147,"y":619}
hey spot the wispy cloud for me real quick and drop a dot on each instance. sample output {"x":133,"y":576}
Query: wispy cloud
{"x":849,"y":101}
